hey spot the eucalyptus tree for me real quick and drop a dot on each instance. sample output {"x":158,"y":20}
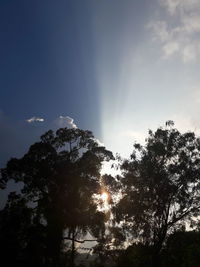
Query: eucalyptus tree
{"x":160,"y":186}
{"x":60,"y":175}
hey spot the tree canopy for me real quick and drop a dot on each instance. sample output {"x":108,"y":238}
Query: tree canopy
{"x":60,"y":175}
{"x":160,"y":186}
{"x":152,"y":202}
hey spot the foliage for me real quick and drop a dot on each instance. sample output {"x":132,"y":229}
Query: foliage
{"x":136,"y":255}
{"x":154,"y":198}
{"x":182,"y":249}
{"x":20,"y":235}
{"x":61,"y":173}
{"x":160,"y":186}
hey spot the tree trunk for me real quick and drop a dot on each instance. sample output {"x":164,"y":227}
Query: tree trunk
{"x":73,"y":248}
{"x":158,"y":247}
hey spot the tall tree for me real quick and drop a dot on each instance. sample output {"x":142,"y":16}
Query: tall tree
{"x":160,"y":186}
{"x":61,"y":173}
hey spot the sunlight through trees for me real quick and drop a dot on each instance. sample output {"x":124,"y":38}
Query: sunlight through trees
{"x":134,"y":218}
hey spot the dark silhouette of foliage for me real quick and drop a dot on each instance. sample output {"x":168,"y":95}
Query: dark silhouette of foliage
{"x":21,"y":237}
{"x":182,"y":249}
{"x":136,"y":255}
{"x":154,"y":198}
{"x":61,"y":173}
{"x":160,"y":186}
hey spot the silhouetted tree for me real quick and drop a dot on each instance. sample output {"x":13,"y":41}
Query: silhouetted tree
{"x":182,"y":249}
{"x":136,"y":255}
{"x":160,"y":186}
{"x":61,"y":173}
{"x":14,"y":222}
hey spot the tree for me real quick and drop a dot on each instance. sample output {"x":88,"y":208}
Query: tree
{"x":182,"y":249}
{"x":136,"y":255}
{"x":21,"y":237}
{"x":61,"y":173}
{"x":160,"y":186}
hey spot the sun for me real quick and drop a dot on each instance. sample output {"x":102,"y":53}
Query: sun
{"x":104,"y":196}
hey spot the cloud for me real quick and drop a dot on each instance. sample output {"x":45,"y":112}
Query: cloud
{"x":65,"y":121}
{"x":35,"y":119}
{"x":16,"y":136}
{"x":170,"y":48}
{"x":171,"y":5}
{"x":175,"y":6}
{"x":178,"y":34}
{"x":61,"y":121}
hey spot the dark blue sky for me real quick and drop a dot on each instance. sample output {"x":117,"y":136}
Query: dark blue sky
{"x":46,"y":69}
{"x":47,"y":53}
{"x":46,"y":56}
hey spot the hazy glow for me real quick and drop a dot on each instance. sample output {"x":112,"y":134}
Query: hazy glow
{"x":142,"y":78}
{"x":104,"y":197}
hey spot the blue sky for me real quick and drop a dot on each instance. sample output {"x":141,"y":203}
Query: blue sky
{"x":116,"y":67}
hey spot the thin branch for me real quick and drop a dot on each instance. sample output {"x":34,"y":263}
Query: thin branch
{"x":188,"y":211}
{"x":80,"y":241}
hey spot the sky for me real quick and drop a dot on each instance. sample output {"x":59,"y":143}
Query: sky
{"x":115,"y":67}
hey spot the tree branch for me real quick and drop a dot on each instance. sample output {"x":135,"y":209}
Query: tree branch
{"x":181,"y":216}
{"x":80,"y":241}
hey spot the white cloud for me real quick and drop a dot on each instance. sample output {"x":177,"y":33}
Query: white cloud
{"x":189,"y":53}
{"x":35,"y":119}
{"x":175,"y":6}
{"x":65,"y":121}
{"x":160,"y":30}
{"x":191,"y":22}
{"x":170,"y":48}
{"x":171,"y":5}
{"x":179,"y":33}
